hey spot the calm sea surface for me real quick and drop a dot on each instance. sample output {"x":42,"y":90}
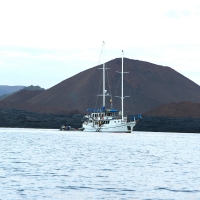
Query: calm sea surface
{"x":52,"y":164}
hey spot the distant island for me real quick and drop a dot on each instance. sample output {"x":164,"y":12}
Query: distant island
{"x":31,"y":87}
{"x":6,"y":90}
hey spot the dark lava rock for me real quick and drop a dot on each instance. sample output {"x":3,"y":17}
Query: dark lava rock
{"x":168,"y":124}
{"x":23,"y":119}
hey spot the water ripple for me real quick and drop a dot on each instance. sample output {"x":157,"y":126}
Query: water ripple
{"x":173,"y":190}
{"x":49,"y":164}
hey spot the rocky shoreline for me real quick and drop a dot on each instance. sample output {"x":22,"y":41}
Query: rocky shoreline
{"x":168,"y":124}
{"x":14,"y":118}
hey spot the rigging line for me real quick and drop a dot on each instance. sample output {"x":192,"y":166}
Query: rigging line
{"x":109,"y":87}
{"x":101,"y":75}
{"x":115,"y":94}
{"x":101,"y":52}
{"x":131,"y":99}
{"x":98,"y":92}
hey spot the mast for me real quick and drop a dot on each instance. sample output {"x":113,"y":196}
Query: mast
{"x":104,"y":80}
{"x":104,"y":94}
{"x":122,"y":85}
{"x":122,"y":97}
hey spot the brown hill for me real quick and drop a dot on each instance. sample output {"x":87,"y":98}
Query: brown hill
{"x":35,"y":108}
{"x":23,"y":96}
{"x":19,"y":100}
{"x":147,"y":84}
{"x":181,"y":109}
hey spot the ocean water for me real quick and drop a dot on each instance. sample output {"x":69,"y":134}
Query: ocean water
{"x":52,"y":164}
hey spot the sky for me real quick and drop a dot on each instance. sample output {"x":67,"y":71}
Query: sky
{"x":43,"y":42}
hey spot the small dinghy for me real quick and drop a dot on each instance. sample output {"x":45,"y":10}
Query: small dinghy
{"x":66,"y":128}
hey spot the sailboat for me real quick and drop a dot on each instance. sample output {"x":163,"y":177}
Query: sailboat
{"x":108,"y":120}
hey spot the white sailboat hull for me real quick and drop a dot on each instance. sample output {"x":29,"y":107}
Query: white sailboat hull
{"x":115,"y":128}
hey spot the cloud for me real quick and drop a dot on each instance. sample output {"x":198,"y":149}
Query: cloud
{"x":177,"y":14}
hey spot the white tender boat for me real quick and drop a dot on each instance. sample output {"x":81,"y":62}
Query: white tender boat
{"x":108,"y":120}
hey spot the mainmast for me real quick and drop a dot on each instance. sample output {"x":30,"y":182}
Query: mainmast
{"x":104,"y":92}
{"x":122,"y":85}
{"x":122,"y":97}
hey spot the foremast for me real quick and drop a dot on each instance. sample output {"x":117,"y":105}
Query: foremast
{"x":104,"y":94}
